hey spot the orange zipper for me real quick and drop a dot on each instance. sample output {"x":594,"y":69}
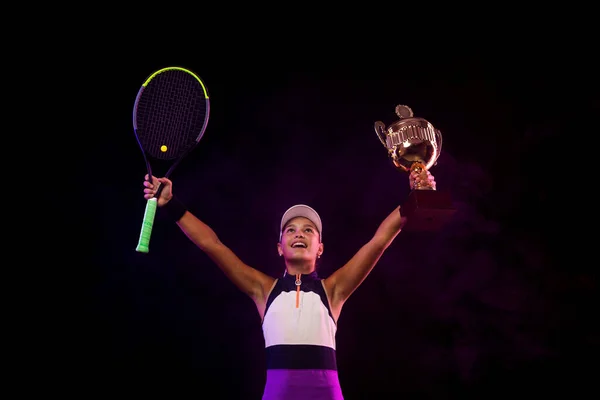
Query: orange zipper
{"x":298,"y":283}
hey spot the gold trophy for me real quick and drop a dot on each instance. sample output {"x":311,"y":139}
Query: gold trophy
{"x":413,"y":144}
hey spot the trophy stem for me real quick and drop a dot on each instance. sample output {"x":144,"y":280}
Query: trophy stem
{"x":417,"y":167}
{"x":420,"y":168}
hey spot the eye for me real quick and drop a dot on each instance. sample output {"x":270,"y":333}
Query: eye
{"x":309,"y":230}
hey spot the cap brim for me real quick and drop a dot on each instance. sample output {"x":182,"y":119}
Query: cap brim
{"x":301,"y":210}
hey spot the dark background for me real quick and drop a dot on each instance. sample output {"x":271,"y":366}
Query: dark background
{"x":487,"y":308}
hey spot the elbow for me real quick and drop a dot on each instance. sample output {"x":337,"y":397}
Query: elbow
{"x":382,"y":241}
{"x":385,"y":235}
{"x":209,"y":246}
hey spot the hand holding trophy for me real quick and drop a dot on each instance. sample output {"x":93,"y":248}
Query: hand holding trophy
{"x":414,"y":146}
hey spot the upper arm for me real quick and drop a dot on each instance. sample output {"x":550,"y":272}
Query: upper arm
{"x":347,"y":279}
{"x":248,"y":279}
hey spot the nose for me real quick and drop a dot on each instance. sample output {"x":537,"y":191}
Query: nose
{"x":299,"y":235}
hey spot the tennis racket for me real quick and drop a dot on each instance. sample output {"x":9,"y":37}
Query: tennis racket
{"x":170,"y":115}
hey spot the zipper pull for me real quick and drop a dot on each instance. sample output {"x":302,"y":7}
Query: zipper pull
{"x":298,"y":283}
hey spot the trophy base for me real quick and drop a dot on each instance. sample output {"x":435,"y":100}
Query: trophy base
{"x":427,"y":210}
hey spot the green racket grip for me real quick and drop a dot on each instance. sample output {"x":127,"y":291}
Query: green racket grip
{"x":147,"y":224}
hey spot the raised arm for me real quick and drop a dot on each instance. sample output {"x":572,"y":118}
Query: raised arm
{"x":249,"y":280}
{"x":342,"y":283}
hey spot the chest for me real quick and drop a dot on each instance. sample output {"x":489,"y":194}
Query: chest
{"x":298,"y":317}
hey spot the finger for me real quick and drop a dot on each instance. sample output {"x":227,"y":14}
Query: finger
{"x":149,"y":182}
{"x":165,"y":181}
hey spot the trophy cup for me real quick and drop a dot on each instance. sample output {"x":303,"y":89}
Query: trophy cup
{"x":413,"y":144}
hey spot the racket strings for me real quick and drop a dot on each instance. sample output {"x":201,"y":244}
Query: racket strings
{"x":171,"y":112}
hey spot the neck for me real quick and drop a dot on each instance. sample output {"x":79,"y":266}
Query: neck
{"x":299,"y":267}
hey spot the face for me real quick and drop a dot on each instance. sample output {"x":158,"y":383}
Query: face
{"x":300,"y":240}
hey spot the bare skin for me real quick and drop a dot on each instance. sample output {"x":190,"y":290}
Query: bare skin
{"x":339,"y":286}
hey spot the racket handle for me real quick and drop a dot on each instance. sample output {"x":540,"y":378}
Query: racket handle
{"x":147,"y":224}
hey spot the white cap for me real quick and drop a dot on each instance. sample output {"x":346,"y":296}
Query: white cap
{"x":301,"y":210}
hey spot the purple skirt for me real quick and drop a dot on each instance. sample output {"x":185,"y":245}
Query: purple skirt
{"x":302,"y":384}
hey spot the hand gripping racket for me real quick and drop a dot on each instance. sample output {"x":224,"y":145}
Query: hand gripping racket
{"x":170,"y":115}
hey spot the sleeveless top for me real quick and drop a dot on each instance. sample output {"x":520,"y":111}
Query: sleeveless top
{"x":298,"y":327}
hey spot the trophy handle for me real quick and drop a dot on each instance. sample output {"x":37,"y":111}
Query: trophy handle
{"x":380,"y":130}
{"x":438,"y":136}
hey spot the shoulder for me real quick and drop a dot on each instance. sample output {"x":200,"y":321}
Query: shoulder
{"x":269,"y":288}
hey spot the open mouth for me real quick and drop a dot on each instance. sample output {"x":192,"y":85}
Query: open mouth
{"x":298,"y":245}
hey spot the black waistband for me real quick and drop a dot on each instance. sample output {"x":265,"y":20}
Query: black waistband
{"x":300,"y":356}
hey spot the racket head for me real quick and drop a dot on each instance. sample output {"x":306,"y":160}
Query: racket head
{"x":170,"y":113}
